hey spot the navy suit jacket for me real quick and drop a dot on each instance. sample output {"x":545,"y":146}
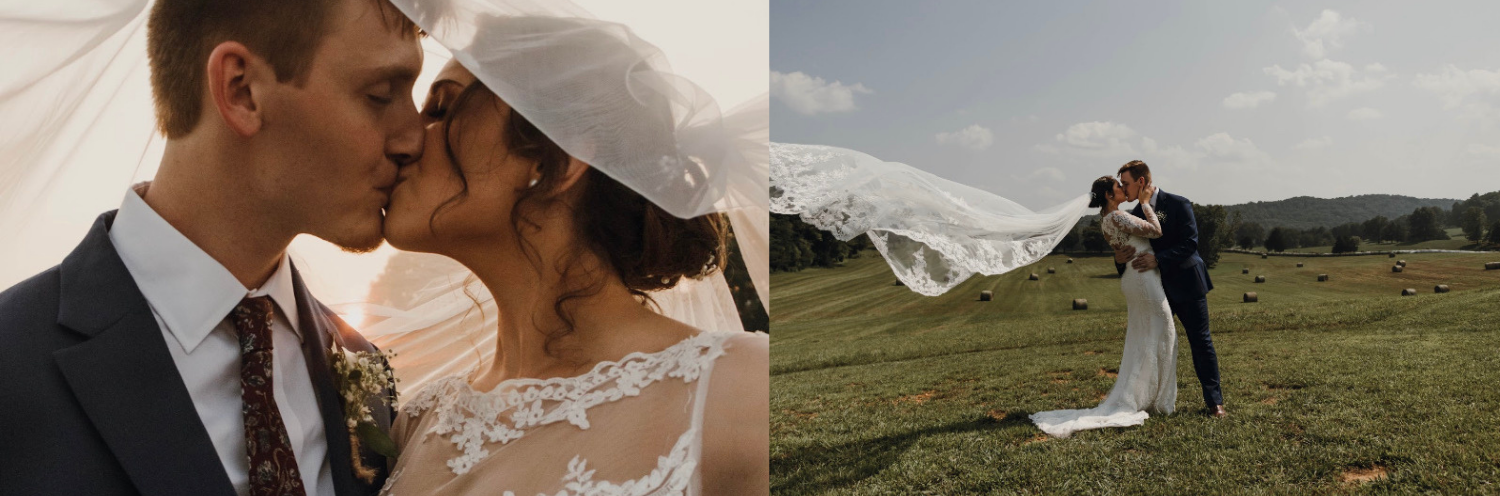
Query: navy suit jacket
{"x":91,"y":401}
{"x":1183,"y":273}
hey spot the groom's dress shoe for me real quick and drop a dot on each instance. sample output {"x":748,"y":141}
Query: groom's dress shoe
{"x":1217,"y":411}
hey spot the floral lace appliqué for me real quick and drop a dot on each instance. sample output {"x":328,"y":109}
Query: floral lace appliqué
{"x":471,"y":419}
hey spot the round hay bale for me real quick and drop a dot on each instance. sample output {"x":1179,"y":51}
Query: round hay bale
{"x":1035,"y":277}
{"x":1441,"y":288}
{"x":1395,"y":268}
{"x":1408,"y":292}
{"x":1299,"y":265}
{"x":1245,"y":271}
{"x":1080,"y":304}
{"x":1401,"y":263}
{"x":1492,"y":266}
{"x":1251,"y":297}
{"x":1260,"y":278}
{"x":1051,"y":270}
{"x":1322,"y":277}
{"x":1070,"y":260}
{"x":986,"y":295}
{"x":1263,"y":256}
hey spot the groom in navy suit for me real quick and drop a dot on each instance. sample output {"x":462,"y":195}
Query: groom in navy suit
{"x":1184,"y":275}
{"x":176,"y":350}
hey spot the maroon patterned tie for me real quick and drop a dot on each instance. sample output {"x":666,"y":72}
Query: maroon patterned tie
{"x":273,"y":468}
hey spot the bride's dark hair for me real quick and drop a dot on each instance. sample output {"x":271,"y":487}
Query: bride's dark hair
{"x":647,"y":248}
{"x":1102,"y":191}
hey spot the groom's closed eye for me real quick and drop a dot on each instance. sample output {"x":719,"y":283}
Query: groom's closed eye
{"x":381,"y":93}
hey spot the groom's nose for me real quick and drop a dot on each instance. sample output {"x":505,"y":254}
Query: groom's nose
{"x":407,"y":145}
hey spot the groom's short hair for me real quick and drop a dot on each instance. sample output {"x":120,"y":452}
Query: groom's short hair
{"x":181,"y":33}
{"x":1137,"y":170}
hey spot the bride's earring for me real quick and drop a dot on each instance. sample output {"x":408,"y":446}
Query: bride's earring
{"x":532,"y":183}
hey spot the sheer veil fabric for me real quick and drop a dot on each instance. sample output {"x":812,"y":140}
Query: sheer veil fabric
{"x":77,"y":128}
{"x":933,"y":232}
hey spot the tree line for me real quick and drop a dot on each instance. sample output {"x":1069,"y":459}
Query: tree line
{"x":795,"y":245}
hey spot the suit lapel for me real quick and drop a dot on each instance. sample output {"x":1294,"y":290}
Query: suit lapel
{"x":321,"y":332}
{"x":316,"y":342}
{"x":125,"y":379}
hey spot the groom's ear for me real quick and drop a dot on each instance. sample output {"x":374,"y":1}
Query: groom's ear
{"x":232,"y":69}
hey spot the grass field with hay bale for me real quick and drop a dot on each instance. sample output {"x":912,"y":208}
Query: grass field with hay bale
{"x":1332,"y":387}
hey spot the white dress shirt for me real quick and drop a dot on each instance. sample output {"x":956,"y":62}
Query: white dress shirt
{"x":191,"y":295}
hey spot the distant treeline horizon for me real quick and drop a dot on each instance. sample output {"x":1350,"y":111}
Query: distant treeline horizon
{"x":1303,"y":221}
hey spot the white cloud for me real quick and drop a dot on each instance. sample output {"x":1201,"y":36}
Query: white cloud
{"x":1454,"y":85}
{"x":1328,"y":80}
{"x":1364,"y":113}
{"x":810,"y":95}
{"x":1112,"y":141}
{"x":1327,"y":32}
{"x":1314,"y":143}
{"x":974,"y":137}
{"x":1052,"y":173}
{"x":1226,"y":147}
{"x":1098,"y":138}
{"x":1248,"y":100}
{"x":1491,"y":152}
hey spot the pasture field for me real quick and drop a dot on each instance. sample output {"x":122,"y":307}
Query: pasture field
{"x":1332,"y":387}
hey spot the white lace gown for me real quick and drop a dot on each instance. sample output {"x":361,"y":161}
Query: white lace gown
{"x":1147,"y":378}
{"x":627,"y":427}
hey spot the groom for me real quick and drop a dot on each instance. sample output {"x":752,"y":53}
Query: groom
{"x":1183,"y":274}
{"x":176,"y":350}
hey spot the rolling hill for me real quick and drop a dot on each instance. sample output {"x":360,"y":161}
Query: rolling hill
{"x":1304,"y":212}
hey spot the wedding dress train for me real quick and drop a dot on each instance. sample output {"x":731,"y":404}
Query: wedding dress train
{"x":1147,"y":378}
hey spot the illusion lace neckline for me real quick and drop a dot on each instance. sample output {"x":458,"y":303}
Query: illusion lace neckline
{"x":471,"y":419}
{"x":520,"y":382}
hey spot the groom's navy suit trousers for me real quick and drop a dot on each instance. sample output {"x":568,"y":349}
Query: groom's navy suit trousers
{"x":91,"y":401}
{"x":1185,"y":278}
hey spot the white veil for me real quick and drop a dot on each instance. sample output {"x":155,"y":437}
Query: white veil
{"x":77,"y":128}
{"x":933,"y":232}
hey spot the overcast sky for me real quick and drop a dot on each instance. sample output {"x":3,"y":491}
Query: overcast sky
{"x":1228,"y":102}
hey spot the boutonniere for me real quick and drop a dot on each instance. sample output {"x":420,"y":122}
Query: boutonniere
{"x":1161,"y":216}
{"x":363,"y":375}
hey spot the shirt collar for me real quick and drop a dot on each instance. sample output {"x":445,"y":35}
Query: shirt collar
{"x":186,"y":287}
{"x":1155,"y":197}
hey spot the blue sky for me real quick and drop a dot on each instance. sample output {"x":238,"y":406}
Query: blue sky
{"x":1228,"y":102}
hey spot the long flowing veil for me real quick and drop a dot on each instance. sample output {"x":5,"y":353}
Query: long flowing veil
{"x":933,"y":232}
{"x":77,"y":128}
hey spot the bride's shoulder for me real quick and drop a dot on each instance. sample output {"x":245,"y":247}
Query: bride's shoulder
{"x":735,"y":352}
{"x":741,"y":374}
{"x":736,"y":416}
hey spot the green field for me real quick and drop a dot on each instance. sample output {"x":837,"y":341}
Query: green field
{"x":1456,"y":241}
{"x":1341,"y":386}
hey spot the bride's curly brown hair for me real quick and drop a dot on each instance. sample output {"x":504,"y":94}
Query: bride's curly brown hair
{"x":638,"y":242}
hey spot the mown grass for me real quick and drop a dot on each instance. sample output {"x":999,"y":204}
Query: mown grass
{"x":1340,"y":386}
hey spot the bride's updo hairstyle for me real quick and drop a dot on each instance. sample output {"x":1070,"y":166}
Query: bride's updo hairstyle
{"x":1103,"y":190}
{"x":647,"y":248}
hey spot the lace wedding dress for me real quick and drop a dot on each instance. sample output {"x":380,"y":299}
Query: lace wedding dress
{"x":1148,"y":368}
{"x":628,"y":427}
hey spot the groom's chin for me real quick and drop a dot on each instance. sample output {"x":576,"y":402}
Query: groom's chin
{"x":363,"y":240}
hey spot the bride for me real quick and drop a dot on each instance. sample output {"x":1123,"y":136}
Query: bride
{"x":935,"y":233}
{"x":1148,"y":367}
{"x":591,"y":390}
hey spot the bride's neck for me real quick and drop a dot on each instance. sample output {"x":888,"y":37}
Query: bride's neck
{"x":533,"y":340}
